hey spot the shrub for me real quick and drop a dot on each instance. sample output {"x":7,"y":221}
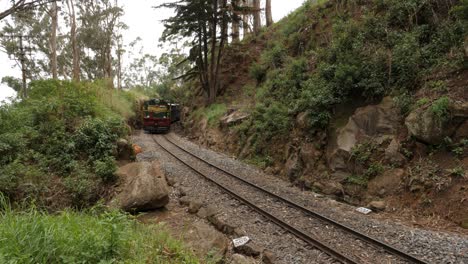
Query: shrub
{"x":275,"y":56}
{"x":105,"y":168}
{"x":272,"y":120}
{"x":258,"y":72}
{"x":404,"y":101}
{"x":440,"y":108}
{"x":422,"y":102}
{"x":96,"y":137}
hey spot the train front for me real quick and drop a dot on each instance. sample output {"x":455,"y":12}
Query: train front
{"x":156,"y":116}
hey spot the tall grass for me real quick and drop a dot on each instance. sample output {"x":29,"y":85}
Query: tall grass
{"x":33,"y":236}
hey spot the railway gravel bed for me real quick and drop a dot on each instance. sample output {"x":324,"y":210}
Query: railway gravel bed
{"x":433,"y":247}
{"x":336,"y":238}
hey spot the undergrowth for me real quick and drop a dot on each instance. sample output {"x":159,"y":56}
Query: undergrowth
{"x":93,"y":236}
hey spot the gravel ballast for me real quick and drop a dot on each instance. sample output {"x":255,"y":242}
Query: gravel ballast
{"x":431,"y":246}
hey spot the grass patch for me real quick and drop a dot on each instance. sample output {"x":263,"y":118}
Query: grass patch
{"x":69,"y":237}
{"x":212,"y":113}
{"x":260,"y":161}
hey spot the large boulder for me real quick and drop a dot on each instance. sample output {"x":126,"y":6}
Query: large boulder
{"x":142,"y":187}
{"x":373,"y":121}
{"x":425,"y":126}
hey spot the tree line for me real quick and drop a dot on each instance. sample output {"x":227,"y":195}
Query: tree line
{"x":82,"y":40}
{"x":65,"y":39}
{"x":209,"y":25}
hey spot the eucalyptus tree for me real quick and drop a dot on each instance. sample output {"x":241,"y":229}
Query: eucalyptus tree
{"x":204,"y":23}
{"x":97,"y":37}
{"x":268,"y":13}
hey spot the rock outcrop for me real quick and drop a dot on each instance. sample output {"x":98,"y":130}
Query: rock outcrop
{"x":142,"y":187}
{"x":233,"y":118}
{"x":425,"y":126}
{"x":374,"y":121}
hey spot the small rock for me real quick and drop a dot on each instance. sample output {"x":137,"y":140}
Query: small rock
{"x":268,"y":257}
{"x":340,"y":176}
{"x":241,"y":259}
{"x":377,"y":205}
{"x":393,"y":155}
{"x":183,"y":191}
{"x":185,"y":200}
{"x":170,"y":180}
{"x":250,"y":249}
{"x":204,"y":240}
{"x":194,"y":206}
{"x":207,"y":211}
{"x":333,"y":188}
{"x":221,"y":225}
{"x":239,"y":231}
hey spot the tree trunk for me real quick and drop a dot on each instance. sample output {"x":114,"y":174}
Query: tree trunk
{"x":257,"y":22}
{"x":268,"y":14}
{"x":245,"y":18}
{"x":53,"y":40}
{"x":214,"y":27}
{"x":75,"y":50}
{"x":224,"y":27}
{"x":235,"y":21}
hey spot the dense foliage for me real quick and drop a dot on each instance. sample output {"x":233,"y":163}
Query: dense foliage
{"x":88,"y":237}
{"x":61,"y":137}
{"x":328,"y":53}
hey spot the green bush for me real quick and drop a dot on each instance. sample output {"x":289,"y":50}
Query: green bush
{"x":62,"y":129}
{"x":258,"y":72}
{"x":69,"y":237}
{"x":105,"y":168}
{"x":272,"y":120}
{"x":440,"y":108}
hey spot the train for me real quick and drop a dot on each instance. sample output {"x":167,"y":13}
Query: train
{"x":158,"y":115}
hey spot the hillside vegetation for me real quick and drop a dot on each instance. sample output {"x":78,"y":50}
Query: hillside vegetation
{"x":335,"y":52}
{"x":353,"y":99}
{"x":61,"y":141}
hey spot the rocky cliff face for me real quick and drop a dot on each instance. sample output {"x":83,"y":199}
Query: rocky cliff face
{"x":378,"y":156}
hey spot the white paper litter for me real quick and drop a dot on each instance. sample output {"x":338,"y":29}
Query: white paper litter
{"x":240,"y":241}
{"x":364,"y":210}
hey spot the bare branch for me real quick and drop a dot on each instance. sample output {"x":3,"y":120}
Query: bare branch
{"x":24,"y":5}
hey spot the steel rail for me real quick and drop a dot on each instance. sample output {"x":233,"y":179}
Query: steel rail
{"x":295,"y":231}
{"x":385,"y":246}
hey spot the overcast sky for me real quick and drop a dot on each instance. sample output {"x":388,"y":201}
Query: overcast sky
{"x":144,"y":22}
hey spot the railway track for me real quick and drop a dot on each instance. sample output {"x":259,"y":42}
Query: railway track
{"x":383,"y":253}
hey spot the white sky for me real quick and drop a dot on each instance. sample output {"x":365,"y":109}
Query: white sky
{"x":144,"y":22}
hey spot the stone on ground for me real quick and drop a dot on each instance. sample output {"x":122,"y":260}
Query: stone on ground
{"x":142,"y":187}
{"x":241,"y":259}
{"x":205,"y":240}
